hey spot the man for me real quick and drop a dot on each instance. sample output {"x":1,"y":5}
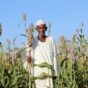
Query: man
{"x":43,"y":55}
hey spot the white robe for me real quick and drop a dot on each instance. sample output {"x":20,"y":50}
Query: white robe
{"x":43,"y":52}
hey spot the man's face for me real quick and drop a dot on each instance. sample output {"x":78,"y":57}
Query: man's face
{"x":41,"y":29}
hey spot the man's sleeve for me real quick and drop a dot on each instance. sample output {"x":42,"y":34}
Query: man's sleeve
{"x":25,"y":64}
{"x":55,"y":59}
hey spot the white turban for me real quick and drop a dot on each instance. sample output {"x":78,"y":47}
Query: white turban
{"x":40,"y":22}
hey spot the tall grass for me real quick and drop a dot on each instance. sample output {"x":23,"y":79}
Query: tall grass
{"x":73,"y":60}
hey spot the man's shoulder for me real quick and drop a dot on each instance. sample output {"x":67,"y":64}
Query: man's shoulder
{"x":50,"y":38}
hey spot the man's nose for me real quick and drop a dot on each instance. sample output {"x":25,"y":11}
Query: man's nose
{"x":41,"y":30}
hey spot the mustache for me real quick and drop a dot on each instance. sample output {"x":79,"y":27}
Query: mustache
{"x":42,"y":31}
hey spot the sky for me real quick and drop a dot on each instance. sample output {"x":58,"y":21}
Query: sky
{"x":65,"y":17}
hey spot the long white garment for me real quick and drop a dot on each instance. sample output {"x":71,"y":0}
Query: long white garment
{"x":43,"y":52}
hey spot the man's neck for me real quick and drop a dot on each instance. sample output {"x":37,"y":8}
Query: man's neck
{"x":42,"y":38}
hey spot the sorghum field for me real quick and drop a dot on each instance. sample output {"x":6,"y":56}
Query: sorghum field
{"x":72,"y":64}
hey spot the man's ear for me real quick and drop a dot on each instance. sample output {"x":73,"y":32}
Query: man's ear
{"x":46,"y":28}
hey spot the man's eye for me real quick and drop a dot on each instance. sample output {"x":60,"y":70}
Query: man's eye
{"x":40,"y":28}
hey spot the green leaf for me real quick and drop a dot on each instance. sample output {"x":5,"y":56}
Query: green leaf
{"x":44,"y":64}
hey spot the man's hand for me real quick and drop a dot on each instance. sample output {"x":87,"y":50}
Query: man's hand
{"x":54,"y":77}
{"x":28,"y":58}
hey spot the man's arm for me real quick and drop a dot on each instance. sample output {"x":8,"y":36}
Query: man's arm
{"x":28,"y":54}
{"x":55,"y":61}
{"x":28,"y":58}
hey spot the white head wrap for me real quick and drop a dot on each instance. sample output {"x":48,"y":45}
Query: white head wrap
{"x":40,"y":22}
